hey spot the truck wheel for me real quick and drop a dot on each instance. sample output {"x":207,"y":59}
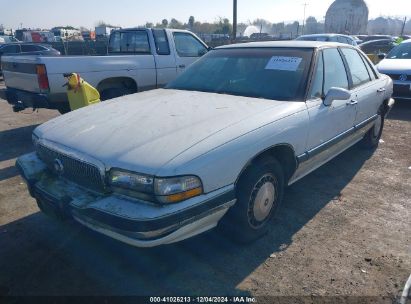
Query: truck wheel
{"x":259,"y":193}
{"x":114,"y":92}
{"x":63,"y":108}
{"x":372,"y":137}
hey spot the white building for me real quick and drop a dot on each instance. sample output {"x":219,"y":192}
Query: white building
{"x":347,"y":17}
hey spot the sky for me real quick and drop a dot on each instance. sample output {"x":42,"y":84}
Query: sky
{"x":127,"y":13}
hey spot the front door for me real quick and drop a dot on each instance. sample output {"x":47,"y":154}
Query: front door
{"x":188,"y":49}
{"x":328,"y":124}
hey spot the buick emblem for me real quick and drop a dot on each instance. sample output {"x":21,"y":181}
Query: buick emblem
{"x":58,"y":166}
{"x":403,"y":77}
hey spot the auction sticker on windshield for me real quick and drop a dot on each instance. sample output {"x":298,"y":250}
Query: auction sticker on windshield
{"x":283,"y":63}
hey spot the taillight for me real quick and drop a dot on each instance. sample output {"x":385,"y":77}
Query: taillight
{"x":42,"y":77}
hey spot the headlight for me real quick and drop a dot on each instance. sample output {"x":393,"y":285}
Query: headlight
{"x":176,"y":189}
{"x":164,"y":190}
{"x":131,"y":181}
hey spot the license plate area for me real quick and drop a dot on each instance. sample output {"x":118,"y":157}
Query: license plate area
{"x":53,"y":206}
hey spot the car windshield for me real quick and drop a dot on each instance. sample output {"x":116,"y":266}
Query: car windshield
{"x":270,"y":73}
{"x":402,"y":51}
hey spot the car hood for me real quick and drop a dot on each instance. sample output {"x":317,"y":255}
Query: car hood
{"x":395,"y":66}
{"x":143,"y":131}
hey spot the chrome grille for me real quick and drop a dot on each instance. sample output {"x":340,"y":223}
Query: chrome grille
{"x":77,"y":171}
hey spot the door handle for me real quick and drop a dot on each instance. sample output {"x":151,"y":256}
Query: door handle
{"x":352,"y":102}
{"x":382,"y":90}
{"x":182,"y":66}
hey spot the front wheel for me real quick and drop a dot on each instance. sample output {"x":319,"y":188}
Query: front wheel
{"x":259,"y":194}
{"x":372,"y":137}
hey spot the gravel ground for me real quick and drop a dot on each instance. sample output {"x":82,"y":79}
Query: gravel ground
{"x":344,"y":230}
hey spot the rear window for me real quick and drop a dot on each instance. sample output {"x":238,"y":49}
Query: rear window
{"x":269,"y":73}
{"x":135,"y":42}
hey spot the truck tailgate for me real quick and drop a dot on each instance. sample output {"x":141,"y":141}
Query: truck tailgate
{"x":19,"y":72}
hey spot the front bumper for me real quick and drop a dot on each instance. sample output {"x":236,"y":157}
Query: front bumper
{"x":131,"y":221}
{"x":402,"y":90}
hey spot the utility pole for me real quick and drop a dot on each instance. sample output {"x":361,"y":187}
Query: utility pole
{"x":403,"y":26}
{"x":234,"y":20}
{"x":302,"y":30}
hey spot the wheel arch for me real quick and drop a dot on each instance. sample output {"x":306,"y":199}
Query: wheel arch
{"x":118,"y":82}
{"x":283,"y":152}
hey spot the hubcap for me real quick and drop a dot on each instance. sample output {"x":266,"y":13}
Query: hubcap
{"x":264,"y":195}
{"x":377,"y":126}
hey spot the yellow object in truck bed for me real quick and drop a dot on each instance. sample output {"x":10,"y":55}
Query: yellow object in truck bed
{"x":80,"y":93}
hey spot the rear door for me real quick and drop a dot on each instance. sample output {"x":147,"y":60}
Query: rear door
{"x":367,"y":90}
{"x":165,"y":60}
{"x":188,"y":49}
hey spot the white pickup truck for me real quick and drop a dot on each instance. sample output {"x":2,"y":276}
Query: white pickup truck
{"x":138,"y":59}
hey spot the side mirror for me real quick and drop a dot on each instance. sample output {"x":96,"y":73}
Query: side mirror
{"x":382,"y":56}
{"x":336,"y":94}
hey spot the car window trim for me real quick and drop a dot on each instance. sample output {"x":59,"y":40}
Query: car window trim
{"x":317,"y":55}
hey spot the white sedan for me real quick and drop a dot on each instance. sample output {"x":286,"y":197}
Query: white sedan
{"x":217,"y":146}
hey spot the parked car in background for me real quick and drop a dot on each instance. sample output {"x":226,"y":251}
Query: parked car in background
{"x":7,"y":39}
{"x":397,"y":65}
{"x":377,"y":46}
{"x":356,"y":39}
{"x":216,"y":147}
{"x":329,"y":38}
{"x":27,"y":49}
{"x":139,"y":59}
{"x":366,"y":38}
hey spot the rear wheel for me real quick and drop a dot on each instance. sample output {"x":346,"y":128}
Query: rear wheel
{"x":63,"y":108}
{"x":259,"y":194}
{"x":372,"y":137}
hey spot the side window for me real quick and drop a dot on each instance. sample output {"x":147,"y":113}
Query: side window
{"x":114,"y":44}
{"x":29,"y":48}
{"x":188,"y":46}
{"x":359,"y":72}
{"x":10,"y":49}
{"x":334,"y":70}
{"x":317,"y":86}
{"x":129,"y":42}
{"x":160,"y":38}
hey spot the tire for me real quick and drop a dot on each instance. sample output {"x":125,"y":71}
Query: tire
{"x":372,"y":137}
{"x":259,"y":193}
{"x":114,"y":93}
{"x":63,"y":108}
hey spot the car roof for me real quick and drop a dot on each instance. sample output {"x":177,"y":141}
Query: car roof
{"x":290,"y":44}
{"x":325,"y":35}
{"x":406,"y":41}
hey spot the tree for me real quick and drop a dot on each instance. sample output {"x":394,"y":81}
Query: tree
{"x":164,"y":23}
{"x":224,"y":26}
{"x":311,"y":25}
{"x":191,"y":21}
{"x":175,"y":24}
{"x":149,"y":24}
